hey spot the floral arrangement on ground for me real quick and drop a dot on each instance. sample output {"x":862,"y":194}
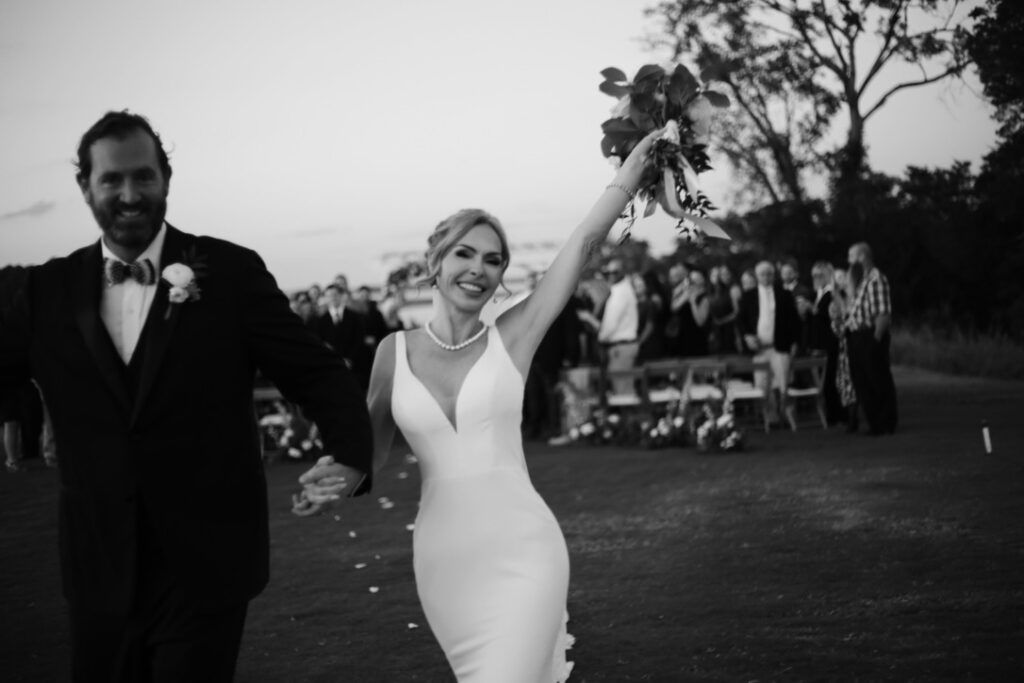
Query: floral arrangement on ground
{"x":286,"y":431}
{"x":651,"y":431}
{"x":715,"y":428}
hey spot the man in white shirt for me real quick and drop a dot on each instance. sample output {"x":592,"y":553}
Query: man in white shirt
{"x":618,"y":330}
{"x":163,"y":514}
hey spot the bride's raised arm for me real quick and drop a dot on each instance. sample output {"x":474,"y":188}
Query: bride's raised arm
{"x":524,"y":325}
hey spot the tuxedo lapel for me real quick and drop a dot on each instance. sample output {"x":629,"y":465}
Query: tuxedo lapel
{"x":160,"y":322}
{"x":86,"y":296}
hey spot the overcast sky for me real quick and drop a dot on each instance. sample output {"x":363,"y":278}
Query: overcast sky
{"x":326,"y":134}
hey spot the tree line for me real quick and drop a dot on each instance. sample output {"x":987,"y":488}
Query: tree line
{"x":950,"y":239}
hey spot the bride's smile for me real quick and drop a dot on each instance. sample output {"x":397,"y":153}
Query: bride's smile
{"x":472,"y":270}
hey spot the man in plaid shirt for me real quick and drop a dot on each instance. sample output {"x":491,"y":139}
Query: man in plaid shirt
{"x":867,"y":332}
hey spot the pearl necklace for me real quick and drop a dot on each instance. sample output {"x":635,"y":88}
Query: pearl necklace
{"x":454,"y":347}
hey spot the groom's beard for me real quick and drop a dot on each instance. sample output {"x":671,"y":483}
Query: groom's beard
{"x":131,"y":232}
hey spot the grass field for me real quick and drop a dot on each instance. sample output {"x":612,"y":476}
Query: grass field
{"x":814,"y":556}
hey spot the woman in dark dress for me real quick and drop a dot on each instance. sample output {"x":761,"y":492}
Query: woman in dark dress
{"x":693,"y":308}
{"x":822,"y":339}
{"x":725,"y":307}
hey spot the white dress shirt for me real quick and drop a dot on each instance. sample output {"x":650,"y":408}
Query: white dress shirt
{"x":621,"y":318}
{"x":766,"y":315}
{"x":124,"y":306}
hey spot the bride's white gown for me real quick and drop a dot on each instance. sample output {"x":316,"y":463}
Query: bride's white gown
{"x":491,"y":564}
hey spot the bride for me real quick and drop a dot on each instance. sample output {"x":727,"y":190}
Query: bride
{"x":491,"y":564}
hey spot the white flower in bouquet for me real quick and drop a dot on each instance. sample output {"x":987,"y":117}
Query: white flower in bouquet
{"x":678,"y":421}
{"x":724,"y":421}
{"x":654,"y":433}
{"x":614,"y":419}
{"x":663,"y":428}
{"x":606,"y":434}
{"x":671,"y":132}
{"x":586,"y":429}
{"x":621,"y":108}
{"x":700,"y":112}
{"x":574,"y":434}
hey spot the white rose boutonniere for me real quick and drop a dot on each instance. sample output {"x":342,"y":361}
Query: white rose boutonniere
{"x":182,"y":279}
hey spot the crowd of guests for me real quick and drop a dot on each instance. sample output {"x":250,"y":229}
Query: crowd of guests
{"x":620,"y":319}
{"x":351,"y":322}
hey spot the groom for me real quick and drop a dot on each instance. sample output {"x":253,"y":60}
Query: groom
{"x":163,"y":501}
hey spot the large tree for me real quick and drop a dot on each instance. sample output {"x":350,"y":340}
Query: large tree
{"x":995,"y":46}
{"x":801,"y":64}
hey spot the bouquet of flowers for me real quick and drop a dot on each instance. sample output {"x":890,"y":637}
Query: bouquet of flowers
{"x":715,"y":428}
{"x":676,"y":101}
{"x":666,"y":431}
{"x":605,"y":427}
{"x":291,"y":433}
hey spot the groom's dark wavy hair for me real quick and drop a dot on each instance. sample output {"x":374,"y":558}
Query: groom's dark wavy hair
{"x":118,"y":125}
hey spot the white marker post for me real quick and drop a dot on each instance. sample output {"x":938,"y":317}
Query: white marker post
{"x":986,"y":437}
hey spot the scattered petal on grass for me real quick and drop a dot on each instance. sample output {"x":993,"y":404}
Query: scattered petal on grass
{"x":361,"y":565}
{"x":337,"y":518}
{"x":412,"y":625}
{"x":351,"y":534}
{"x":383,"y":499}
{"x":387,"y":506}
{"x":410,"y":458}
{"x":410,"y":527}
{"x":374,"y":589}
{"x":376,"y":557}
{"x":402,"y":475}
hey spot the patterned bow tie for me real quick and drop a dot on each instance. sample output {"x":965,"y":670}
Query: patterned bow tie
{"x":117,"y":272}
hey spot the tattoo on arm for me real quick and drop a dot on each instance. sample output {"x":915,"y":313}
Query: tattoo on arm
{"x":591,"y":246}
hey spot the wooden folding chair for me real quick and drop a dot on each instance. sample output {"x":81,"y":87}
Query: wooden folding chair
{"x":702,"y":383}
{"x":665,"y":380}
{"x":740,"y":387}
{"x":636,"y":398}
{"x":802,"y":368}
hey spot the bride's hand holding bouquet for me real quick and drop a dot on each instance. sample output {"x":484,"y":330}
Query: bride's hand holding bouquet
{"x":678,"y":108}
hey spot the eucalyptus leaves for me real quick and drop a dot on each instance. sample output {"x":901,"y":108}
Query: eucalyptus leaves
{"x":682,"y":105}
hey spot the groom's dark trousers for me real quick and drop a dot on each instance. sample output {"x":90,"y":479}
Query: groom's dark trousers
{"x":163,"y":527}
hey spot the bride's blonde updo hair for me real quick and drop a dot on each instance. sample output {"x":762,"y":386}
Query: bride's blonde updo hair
{"x":452,"y":229}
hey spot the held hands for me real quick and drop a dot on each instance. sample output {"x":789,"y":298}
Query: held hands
{"x":324,"y":483}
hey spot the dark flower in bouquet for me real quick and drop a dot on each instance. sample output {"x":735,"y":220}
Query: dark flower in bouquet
{"x":715,"y":428}
{"x":682,"y":105}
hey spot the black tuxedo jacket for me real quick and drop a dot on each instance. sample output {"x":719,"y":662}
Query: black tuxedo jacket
{"x":787,"y":321}
{"x":348,"y":340}
{"x":347,"y":337}
{"x":161,"y":458}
